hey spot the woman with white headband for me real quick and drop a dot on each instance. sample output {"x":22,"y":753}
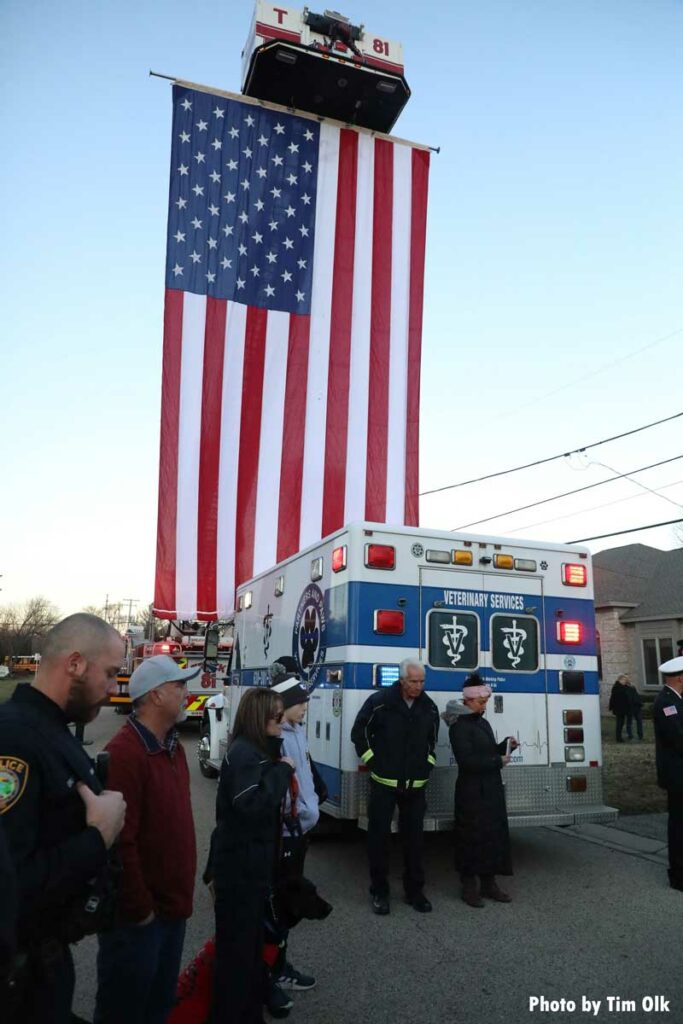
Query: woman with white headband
{"x":482,"y":839}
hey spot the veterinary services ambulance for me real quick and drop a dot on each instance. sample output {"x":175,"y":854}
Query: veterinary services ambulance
{"x":350,"y":608}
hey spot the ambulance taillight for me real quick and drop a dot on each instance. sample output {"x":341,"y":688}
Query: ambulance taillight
{"x":389,"y":622}
{"x":574,"y":575}
{"x":380,"y":556}
{"x":339,"y":559}
{"x":569,"y":632}
{"x":577,"y":783}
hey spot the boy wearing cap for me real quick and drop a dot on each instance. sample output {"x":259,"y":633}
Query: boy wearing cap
{"x":309,"y":793}
{"x":138,"y":963}
{"x":667,"y":715}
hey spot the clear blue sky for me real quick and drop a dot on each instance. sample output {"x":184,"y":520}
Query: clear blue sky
{"x":554,"y":261}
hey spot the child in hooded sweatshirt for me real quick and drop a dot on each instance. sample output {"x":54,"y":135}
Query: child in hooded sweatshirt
{"x":298,"y":821}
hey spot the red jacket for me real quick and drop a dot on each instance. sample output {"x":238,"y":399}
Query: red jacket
{"x":157,"y":844}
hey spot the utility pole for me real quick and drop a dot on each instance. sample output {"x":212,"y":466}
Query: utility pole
{"x":131,"y":601}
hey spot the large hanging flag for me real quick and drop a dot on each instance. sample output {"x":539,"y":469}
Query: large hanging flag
{"x":292,"y":332}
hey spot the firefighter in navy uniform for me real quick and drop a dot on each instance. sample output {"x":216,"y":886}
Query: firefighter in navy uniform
{"x":667,"y":716}
{"x":59,"y":823}
{"x":395,"y":735}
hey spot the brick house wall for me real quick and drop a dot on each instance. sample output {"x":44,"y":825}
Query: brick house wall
{"x":616,"y":649}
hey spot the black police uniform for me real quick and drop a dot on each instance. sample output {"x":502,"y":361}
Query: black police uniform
{"x":57,"y":857}
{"x":667,"y":715}
{"x":8,"y":906}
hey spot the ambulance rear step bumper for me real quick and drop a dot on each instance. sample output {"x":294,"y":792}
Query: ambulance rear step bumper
{"x":570,"y":816}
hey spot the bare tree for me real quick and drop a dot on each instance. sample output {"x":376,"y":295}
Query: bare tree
{"x":111,"y":613}
{"x":145,"y":618}
{"x":22,"y":626}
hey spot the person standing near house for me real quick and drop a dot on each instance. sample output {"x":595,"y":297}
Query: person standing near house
{"x":139,"y":961}
{"x":620,"y":706}
{"x":667,"y":716}
{"x":635,"y":708}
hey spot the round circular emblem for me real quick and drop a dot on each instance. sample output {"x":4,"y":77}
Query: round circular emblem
{"x":337,"y":703}
{"x":309,"y":645}
{"x":418,"y":550}
{"x":9,"y":785}
{"x":570,"y":662}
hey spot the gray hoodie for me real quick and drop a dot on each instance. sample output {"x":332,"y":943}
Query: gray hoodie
{"x":294,"y":745}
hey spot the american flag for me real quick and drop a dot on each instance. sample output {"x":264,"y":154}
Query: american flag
{"x":292,"y":332}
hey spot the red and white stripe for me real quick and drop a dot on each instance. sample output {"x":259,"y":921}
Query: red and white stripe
{"x":276,"y":429}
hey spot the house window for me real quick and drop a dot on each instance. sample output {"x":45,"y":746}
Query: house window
{"x":655,"y":652}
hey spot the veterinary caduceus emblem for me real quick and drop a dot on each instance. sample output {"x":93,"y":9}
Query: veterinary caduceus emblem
{"x":515,"y":638}
{"x":453,"y":639}
{"x":267,"y":630}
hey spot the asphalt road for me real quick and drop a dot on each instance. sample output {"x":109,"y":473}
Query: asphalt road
{"x":587,"y":922}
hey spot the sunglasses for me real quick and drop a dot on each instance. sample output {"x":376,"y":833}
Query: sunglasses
{"x":278,"y":717}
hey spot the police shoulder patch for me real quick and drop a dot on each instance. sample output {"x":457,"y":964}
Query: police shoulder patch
{"x":670,"y":710}
{"x":13,"y":779}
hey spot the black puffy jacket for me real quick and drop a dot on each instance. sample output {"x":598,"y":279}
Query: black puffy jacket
{"x":251,"y":790}
{"x":395,"y":741}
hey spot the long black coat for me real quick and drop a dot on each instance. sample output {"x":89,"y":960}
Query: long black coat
{"x":620,"y":699}
{"x":482,"y":839}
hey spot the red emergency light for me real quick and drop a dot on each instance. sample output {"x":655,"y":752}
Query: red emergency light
{"x":389,"y":621}
{"x":380,"y":556}
{"x":574,"y":575}
{"x":339,"y":559}
{"x":569,"y":632}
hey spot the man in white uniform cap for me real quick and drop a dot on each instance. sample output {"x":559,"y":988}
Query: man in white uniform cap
{"x":668,"y":723}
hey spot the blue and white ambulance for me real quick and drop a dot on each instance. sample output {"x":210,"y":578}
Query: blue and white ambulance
{"x":350,"y":608}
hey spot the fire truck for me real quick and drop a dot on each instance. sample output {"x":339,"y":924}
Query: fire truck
{"x":350,"y":608}
{"x":324,"y":64}
{"x":207,"y":645}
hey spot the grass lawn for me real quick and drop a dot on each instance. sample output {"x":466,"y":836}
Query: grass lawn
{"x":629,"y":776}
{"x":8,"y":686}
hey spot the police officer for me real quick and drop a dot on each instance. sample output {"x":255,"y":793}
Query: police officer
{"x":667,"y":715}
{"x":395,"y":735}
{"x":58,"y":821}
{"x":8,"y":907}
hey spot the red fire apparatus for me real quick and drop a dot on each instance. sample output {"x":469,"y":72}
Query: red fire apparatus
{"x":207,"y":645}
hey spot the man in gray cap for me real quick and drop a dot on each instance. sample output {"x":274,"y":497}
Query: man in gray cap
{"x":139,"y":962}
{"x":667,"y":715}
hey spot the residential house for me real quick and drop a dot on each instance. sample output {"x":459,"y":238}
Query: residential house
{"x":639,"y":613}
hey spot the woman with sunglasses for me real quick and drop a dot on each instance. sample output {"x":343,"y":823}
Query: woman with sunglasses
{"x":253,"y":782}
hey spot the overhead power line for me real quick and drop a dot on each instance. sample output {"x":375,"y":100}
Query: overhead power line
{"x":618,"y":533}
{"x":593,"y":508}
{"x":566,"y":494}
{"x":551,"y":458}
